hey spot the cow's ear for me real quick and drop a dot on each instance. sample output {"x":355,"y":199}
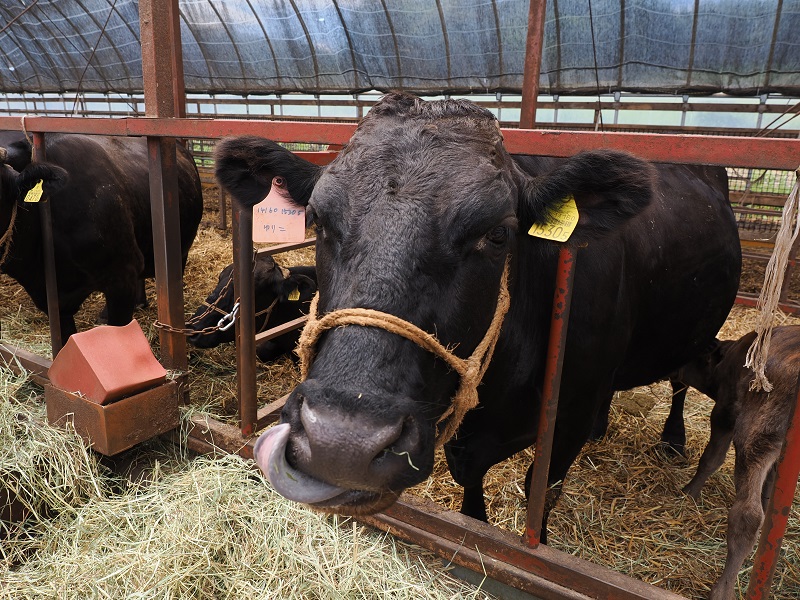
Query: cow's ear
{"x":608,"y":186}
{"x":18,"y":155}
{"x":298,"y":288}
{"x":53,"y":178}
{"x":246,"y":165}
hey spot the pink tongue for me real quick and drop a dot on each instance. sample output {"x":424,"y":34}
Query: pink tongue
{"x":270,"y":454}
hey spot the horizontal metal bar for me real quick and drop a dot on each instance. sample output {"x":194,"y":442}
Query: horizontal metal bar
{"x":768,"y":153}
{"x":281,"y":329}
{"x":757,"y":211}
{"x":748,"y":299}
{"x":270,"y":413}
{"x":33,"y":364}
{"x":730,"y":151}
{"x":287,"y":246}
{"x":497,"y":549}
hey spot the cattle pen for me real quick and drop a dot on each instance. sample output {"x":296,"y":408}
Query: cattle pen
{"x":524,"y":564}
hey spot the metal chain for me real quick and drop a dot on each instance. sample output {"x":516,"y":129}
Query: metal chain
{"x":228,"y":318}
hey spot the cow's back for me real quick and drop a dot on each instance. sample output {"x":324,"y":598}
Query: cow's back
{"x":655,"y":292}
{"x":109,"y":179}
{"x":647,"y":298}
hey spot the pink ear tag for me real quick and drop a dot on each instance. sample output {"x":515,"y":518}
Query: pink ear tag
{"x":276,"y":218}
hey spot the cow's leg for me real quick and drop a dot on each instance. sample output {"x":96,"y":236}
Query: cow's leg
{"x":121,"y":299}
{"x":140,"y":302}
{"x":752,"y":468}
{"x":769,"y":484}
{"x":600,"y":425}
{"x":68,"y":326}
{"x":673,"y":438}
{"x":473,"y":504}
{"x":722,"y":422}
{"x":141,"y":295}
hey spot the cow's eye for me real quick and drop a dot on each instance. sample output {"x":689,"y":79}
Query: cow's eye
{"x":313,"y":218}
{"x":498,"y":235}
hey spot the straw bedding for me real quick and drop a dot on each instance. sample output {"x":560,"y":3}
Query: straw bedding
{"x":622,"y":506}
{"x":201,"y":528}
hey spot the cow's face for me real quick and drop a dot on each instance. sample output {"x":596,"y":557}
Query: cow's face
{"x":415,"y":218}
{"x":14,"y":185}
{"x":273,"y":286}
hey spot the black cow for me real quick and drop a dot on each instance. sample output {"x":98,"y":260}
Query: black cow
{"x":273,"y":283}
{"x":416,"y":217}
{"x":99,"y":192}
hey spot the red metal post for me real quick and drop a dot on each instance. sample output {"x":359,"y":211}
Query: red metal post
{"x":533,"y":63}
{"x":158,"y":59}
{"x":51,"y":283}
{"x":243,"y":286}
{"x":562,"y":298}
{"x":178,"y":83}
{"x":774,"y":526}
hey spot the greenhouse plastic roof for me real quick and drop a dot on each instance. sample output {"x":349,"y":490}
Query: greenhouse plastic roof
{"x":424,"y":46}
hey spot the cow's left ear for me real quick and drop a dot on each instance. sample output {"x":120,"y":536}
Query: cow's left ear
{"x":53,"y":178}
{"x":246,"y":165}
{"x":298,"y":288}
{"x":609,"y":187}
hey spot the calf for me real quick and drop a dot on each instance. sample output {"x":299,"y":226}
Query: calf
{"x":281,"y":295}
{"x":98,"y":188}
{"x":756,"y":422}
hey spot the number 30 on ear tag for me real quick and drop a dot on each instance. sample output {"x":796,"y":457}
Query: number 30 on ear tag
{"x":276,"y":218}
{"x":562,"y":222}
{"x":35,"y":193}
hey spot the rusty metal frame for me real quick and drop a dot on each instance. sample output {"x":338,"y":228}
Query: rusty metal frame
{"x":554,"y":363}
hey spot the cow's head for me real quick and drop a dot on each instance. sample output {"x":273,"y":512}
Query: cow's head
{"x":18,"y":175}
{"x":415,"y":217}
{"x":275,"y":289}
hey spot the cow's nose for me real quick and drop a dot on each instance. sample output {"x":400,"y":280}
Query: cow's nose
{"x":352,"y":444}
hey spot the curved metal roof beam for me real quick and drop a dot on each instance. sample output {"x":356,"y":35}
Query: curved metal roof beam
{"x":21,"y":48}
{"x":80,"y":34}
{"x":310,"y":43}
{"x":55,"y":38}
{"x":356,"y":85}
{"x":200,"y":46}
{"x":558,"y":44}
{"x":111,"y":8}
{"x":499,"y":39}
{"x":396,"y":46}
{"x":768,"y":70}
{"x":233,"y":41}
{"x":269,"y":43}
{"x":8,"y":60}
{"x":447,"y":40}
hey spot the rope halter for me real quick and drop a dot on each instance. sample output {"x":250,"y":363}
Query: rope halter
{"x":470,"y":370}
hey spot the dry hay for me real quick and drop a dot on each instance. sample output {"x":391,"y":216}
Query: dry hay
{"x":622,"y":506}
{"x":202,"y":528}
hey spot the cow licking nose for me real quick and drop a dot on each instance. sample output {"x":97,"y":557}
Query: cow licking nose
{"x":370,"y":456}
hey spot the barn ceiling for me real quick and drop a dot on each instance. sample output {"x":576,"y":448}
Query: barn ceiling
{"x":426,"y":46}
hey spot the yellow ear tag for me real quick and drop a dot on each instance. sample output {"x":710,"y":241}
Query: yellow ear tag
{"x":35,"y":193}
{"x":561,"y":224}
{"x":294,"y":295}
